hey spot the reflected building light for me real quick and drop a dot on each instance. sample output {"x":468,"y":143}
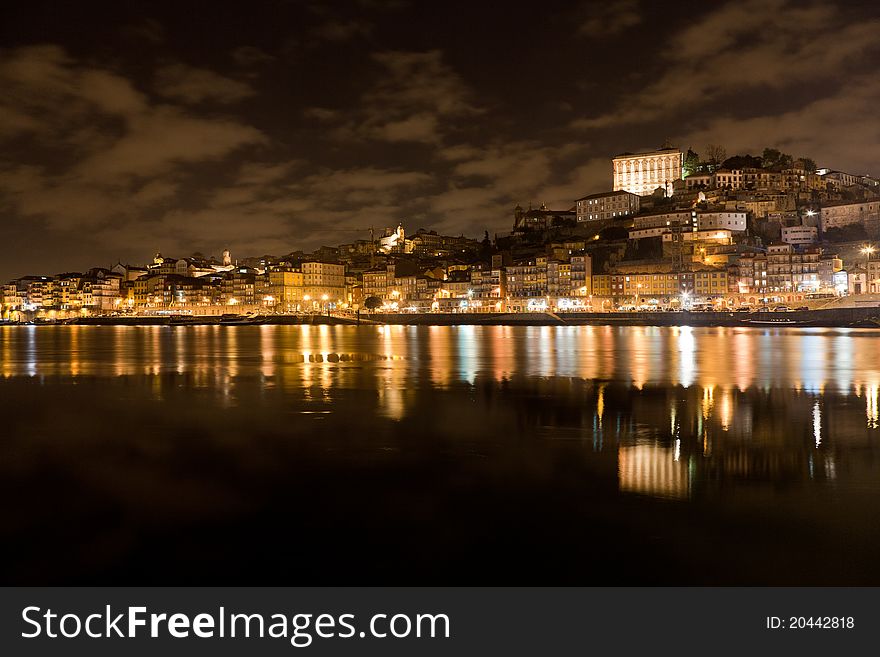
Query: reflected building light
{"x":708,"y":402}
{"x":841,"y":356}
{"x":676,"y":456}
{"x":817,"y":423}
{"x":743,"y":364}
{"x":267,"y":351}
{"x":814,"y":357}
{"x":75,"y":347}
{"x":31,"y":354}
{"x":468,"y":356}
{"x":651,"y":470}
{"x":686,"y":355}
{"x":725,"y":410}
{"x":871,"y":404}
{"x":830,"y":467}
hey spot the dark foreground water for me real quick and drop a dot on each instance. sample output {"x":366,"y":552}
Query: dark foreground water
{"x":439,"y":455}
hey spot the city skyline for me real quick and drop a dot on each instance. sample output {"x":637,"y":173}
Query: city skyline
{"x":153,"y":127}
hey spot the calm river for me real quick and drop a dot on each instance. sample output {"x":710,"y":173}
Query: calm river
{"x":439,"y":455}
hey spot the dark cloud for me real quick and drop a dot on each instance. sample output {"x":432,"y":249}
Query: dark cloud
{"x":251,"y":56}
{"x":416,"y":97}
{"x":609,"y":19}
{"x":745,"y":50}
{"x":196,"y":85}
{"x":338,"y":31}
{"x":146,"y":30}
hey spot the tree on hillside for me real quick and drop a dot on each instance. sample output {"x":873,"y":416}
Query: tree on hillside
{"x":691,"y":162}
{"x":715,"y":154}
{"x":742,"y":162}
{"x":809,"y":164}
{"x":772,"y":158}
{"x":371,"y":303}
{"x":486,"y":245}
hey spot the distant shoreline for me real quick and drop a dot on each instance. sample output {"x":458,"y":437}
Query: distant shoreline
{"x":857,"y":317}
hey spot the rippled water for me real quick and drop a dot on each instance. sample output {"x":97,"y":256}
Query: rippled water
{"x":468,"y":455}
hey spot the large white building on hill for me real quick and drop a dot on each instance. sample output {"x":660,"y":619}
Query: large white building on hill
{"x":643,"y":173}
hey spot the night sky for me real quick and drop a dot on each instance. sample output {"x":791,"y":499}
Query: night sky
{"x":132,"y":127}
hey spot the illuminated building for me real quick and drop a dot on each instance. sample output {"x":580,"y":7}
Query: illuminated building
{"x":792,"y":270}
{"x":527,"y":279}
{"x":752,"y":273}
{"x":644,"y":173}
{"x":729,"y":178}
{"x":375,"y":282}
{"x":655,"y":224}
{"x":323,"y":279}
{"x":601,"y":285}
{"x":394,"y":241}
{"x":608,"y":205}
{"x":668,"y":285}
{"x":285,"y":288}
{"x":581,"y":275}
{"x":240,"y":286}
{"x":800,"y":234}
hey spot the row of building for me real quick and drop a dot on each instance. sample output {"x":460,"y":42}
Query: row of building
{"x":660,"y":236}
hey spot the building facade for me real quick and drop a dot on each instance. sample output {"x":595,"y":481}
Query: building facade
{"x":644,"y":173}
{"x":609,"y":205}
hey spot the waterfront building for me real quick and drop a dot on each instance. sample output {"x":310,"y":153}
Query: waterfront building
{"x":525,"y":279}
{"x":581,"y":275}
{"x":752,"y":273}
{"x":241,"y":286}
{"x":487,"y":282}
{"x":323,"y":283}
{"x":601,"y":285}
{"x":792,"y":270}
{"x":872,"y":276}
{"x":286,"y":288}
{"x":665,"y":285}
{"x":375,"y":282}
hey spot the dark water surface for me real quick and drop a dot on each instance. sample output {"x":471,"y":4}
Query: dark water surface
{"x":439,"y":455}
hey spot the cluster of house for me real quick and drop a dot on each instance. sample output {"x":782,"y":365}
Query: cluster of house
{"x":660,"y":236}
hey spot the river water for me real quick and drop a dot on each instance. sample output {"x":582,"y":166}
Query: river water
{"x":439,"y":455}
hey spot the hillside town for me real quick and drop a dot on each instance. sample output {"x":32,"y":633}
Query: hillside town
{"x":677,"y":230}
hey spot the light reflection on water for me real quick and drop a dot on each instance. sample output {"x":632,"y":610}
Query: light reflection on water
{"x":760,"y":419}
